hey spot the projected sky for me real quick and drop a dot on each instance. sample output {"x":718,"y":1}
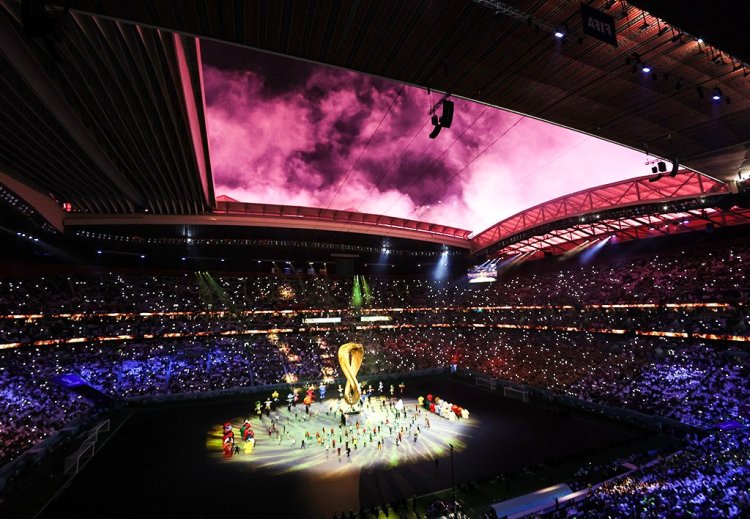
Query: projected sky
{"x":283,"y":131}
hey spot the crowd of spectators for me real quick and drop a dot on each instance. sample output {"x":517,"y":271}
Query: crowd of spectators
{"x":710,"y":477}
{"x":110,"y":305}
{"x":684,"y":322}
{"x":556,"y":330}
{"x":678,"y":276}
{"x":680,"y":379}
{"x":32,"y":407}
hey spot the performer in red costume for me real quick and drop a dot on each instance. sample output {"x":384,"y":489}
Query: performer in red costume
{"x":248,"y":432}
{"x":228,"y":440}
{"x":308,"y":399}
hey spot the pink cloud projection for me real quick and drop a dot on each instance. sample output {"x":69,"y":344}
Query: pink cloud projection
{"x":283,"y":131}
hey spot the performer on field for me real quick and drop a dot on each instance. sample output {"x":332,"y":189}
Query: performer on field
{"x":228,"y":440}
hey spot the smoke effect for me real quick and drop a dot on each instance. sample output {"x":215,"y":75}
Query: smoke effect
{"x":282,"y":131}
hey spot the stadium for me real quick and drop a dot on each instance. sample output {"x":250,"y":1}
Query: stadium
{"x":299,"y":258}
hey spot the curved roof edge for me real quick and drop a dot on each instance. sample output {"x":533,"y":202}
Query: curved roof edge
{"x":574,"y":235}
{"x":293,"y":217}
{"x":633,"y":192}
{"x":343,"y":219}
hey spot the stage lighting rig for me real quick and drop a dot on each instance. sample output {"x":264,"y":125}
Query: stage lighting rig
{"x":661,"y":167}
{"x":506,"y":9}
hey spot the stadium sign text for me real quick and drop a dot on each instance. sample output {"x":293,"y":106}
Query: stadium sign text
{"x":599,"y":25}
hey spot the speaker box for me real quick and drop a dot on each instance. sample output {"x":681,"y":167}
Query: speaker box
{"x":447,"y":118}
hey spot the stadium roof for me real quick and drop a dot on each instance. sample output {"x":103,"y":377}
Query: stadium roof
{"x":628,"y":210}
{"x":509,"y":59}
{"x":232,"y":213}
{"x":107,"y":118}
{"x":107,"y":115}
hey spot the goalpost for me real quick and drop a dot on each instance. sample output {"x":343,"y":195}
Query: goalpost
{"x":86,"y":451}
{"x":517,"y":394}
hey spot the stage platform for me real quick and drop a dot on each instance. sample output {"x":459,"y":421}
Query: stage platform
{"x":372,"y":437}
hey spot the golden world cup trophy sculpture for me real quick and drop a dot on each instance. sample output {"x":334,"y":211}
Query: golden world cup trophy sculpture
{"x":350,"y":359}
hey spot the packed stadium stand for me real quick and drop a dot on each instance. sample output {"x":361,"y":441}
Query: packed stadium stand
{"x":132,"y":287}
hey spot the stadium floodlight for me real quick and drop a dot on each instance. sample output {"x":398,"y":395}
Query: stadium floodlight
{"x":561,"y":31}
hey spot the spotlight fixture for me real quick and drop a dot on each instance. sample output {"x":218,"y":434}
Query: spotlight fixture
{"x":634,"y":60}
{"x":661,"y":168}
{"x":645,"y":25}
{"x":716,"y":94}
{"x":662,"y":29}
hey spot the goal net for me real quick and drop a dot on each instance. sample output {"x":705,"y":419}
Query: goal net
{"x":517,"y":394}
{"x":86,"y":451}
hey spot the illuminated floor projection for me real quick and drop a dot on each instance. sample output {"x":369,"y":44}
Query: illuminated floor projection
{"x":190,"y":477}
{"x":384,"y":434}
